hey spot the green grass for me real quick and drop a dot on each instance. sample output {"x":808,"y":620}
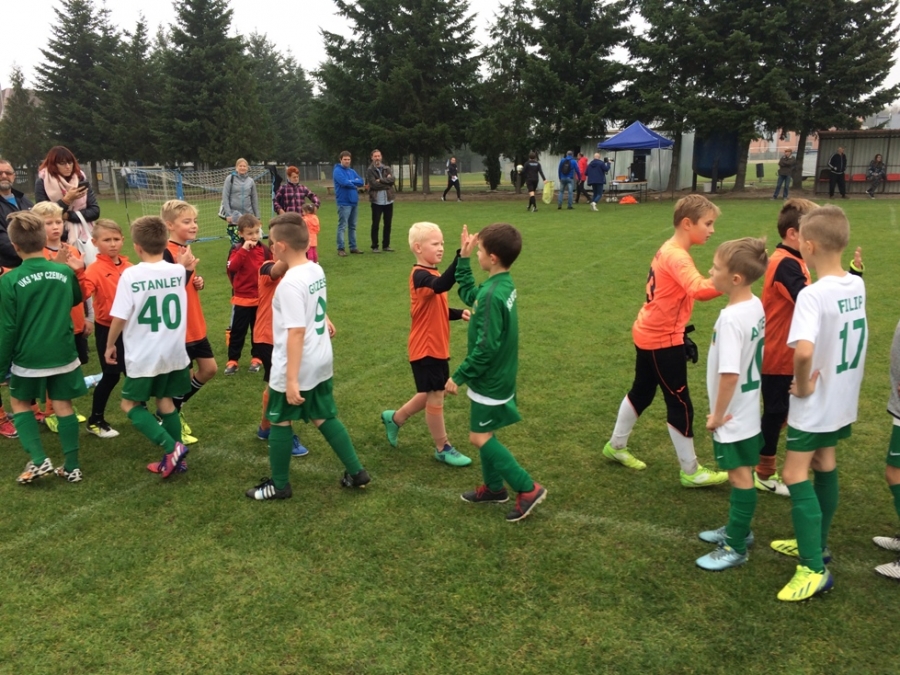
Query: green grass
{"x":127,"y":573}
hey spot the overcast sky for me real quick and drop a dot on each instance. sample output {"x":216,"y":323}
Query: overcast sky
{"x":291,"y":24}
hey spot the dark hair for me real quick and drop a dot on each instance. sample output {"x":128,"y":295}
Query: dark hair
{"x":291,"y":229}
{"x":344,"y":153}
{"x":532,"y":155}
{"x":150,"y":233}
{"x":246,"y":221}
{"x":503,"y":241}
{"x":59,"y":153}
{"x":791,"y":213}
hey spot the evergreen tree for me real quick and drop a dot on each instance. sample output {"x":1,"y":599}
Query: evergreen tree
{"x":23,"y":130}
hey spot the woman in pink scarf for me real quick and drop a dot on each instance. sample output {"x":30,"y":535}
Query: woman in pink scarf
{"x":58,"y":179}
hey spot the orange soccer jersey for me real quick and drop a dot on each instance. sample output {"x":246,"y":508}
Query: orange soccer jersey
{"x":196,"y":324}
{"x":77,"y":310}
{"x":429,"y":334}
{"x":262,"y":329}
{"x":672,"y":286}
{"x":786,"y":276}
{"x":101,"y":280}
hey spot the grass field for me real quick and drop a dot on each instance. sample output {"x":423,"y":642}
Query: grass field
{"x":125,"y":573}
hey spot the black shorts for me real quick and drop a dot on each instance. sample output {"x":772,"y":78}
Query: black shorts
{"x":531,"y":185}
{"x":776,"y":394}
{"x":430,"y":374}
{"x":265,"y":355}
{"x":81,"y":346}
{"x":101,"y":333}
{"x":201,"y":349}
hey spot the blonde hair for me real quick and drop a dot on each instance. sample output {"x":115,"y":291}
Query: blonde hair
{"x":420,"y":231}
{"x":828,"y":227}
{"x":26,"y":230}
{"x":107,"y":224}
{"x":694,"y":207}
{"x":746,"y":256}
{"x":174,"y":208}
{"x":47,"y":209}
{"x":150,"y":233}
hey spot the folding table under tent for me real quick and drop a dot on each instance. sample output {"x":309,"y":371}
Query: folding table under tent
{"x":638,"y":137}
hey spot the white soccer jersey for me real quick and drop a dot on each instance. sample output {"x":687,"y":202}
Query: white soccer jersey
{"x":300,"y":302}
{"x":151,"y":299}
{"x":832,"y":315}
{"x":737,"y":347}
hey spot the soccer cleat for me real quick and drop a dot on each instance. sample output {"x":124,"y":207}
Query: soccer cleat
{"x":720,"y":538}
{"x":187,"y":439}
{"x":887,"y":543}
{"x":297,"y":450}
{"x":170,"y":461}
{"x":622,"y":456}
{"x":484,"y":495}
{"x":267,"y":490}
{"x":185,"y":428}
{"x":771,"y":484}
{"x":723,"y":558}
{"x":890,"y":570}
{"x":262,"y":434}
{"x":703,"y":478}
{"x":232,"y":367}
{"x":8,"y":429}
{"x":102,"y":429}
{"x":154,"y":467}
{"x":390,"y":428}
{"x":788,"y":547}
{"x":452,"y":456}
{"x":255,"y":365}
{"x":358,"y":480}
{"x":525,"y":503}
{"x":39,"y":416}
{"x":73,"y":476}
{"x":52,"y":423}
{"x":806,"y":584}
{"x":81,"y":418}
{"x":31,"y":471}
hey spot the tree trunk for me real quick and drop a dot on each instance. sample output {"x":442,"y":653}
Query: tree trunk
{"x":413,"y":182}
{"x":426,"y":175}
{"x":741,"y":177}
{"x":400,"y":177}
{"x":676,"y":163}
{"x":92,"y":178}
{"x":797,"y":175}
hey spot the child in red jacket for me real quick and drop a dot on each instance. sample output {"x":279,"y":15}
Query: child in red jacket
{"x":244,"y":262}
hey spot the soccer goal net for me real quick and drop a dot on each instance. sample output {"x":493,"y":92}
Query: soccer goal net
{"x":154,"y":186}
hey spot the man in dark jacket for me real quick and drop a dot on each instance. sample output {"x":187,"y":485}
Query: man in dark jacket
{"x":837,"y":166}
{"x":10,"y":202}
{"x":596,"y":177}
{"x":381,"y":195}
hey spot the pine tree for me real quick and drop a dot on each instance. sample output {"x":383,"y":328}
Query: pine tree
{"x":23,"y":130}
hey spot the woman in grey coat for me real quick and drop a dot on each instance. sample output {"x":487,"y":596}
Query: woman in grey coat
{"x":238,"y":198}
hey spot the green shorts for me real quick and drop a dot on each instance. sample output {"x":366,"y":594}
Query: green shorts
{"x":166,"y":385}
{"x":810,"y":441}
{"x":739,"y":453}
{"x":893,"y":456}
{"x":62,"y":387}
{"x":318,"y":404}
{"x":484,"y":418}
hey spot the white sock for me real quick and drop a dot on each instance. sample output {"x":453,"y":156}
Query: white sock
{"x":684,"y":448}
{"x":624,"y":424}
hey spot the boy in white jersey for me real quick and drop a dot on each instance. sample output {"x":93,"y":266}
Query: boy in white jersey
{"x":732,"y":379}
{"x":300,"y":384}
{"x":829,"y":335}
{"x":150,"y":312}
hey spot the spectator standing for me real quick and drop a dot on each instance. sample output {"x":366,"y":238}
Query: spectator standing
{"x":785,"y":169}
{"x":582,"y":169}
{"x":837,"y":165}
{"x":381,"y":195}
{"x":10,"y":201}
{"x":239,"y":198}
{"x":346,"y":192}
{"x":530,"y":173}
{"x":596,"y":177}
{"x":568,"y":174}
{"x":291,"y":195}
{"x":875,"y":174}
{"x":452,"y":180}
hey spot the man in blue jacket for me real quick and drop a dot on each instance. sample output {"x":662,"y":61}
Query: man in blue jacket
{"x":596,"y":177}
{"x":10,"y":201}
{"x":568,"y":174}
{"x":346,"y":185}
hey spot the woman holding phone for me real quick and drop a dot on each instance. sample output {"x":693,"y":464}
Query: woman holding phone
{"x":61,"y":180}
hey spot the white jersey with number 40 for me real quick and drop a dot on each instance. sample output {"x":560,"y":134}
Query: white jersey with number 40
{"x":300,"y":302}
{"x":151,"y":299}
{"x":832,"y":315}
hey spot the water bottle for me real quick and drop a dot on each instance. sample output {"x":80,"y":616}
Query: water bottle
{"x":92,"y":380}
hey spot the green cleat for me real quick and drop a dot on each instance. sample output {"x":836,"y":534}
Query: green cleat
{"x":806,"y":584}
{"x":391,"y":429}
{"x":452,"y":456}
{"x":703,"y":478}
{"x":624,"y":457}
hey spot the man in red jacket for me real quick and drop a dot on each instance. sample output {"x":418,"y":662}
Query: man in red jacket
{"x":582,"y":169}
{"x":243,"y":270}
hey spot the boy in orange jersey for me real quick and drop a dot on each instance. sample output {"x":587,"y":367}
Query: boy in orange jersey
{"x":83,"y":322}
{"x":181,"y":221}
{"x":429,"y":342}
{"x":662,"y":351}
{"x":243,"y":271}
{"x":270,"y":274}
{"x":786,"y":276}
{"x":312,"y":224}
{"x":101,"y":280}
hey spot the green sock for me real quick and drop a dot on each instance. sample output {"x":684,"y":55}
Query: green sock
{"x":489,"y":475}
{"x":30,"y":436}
{"x":146,"y":423}
{"x":505,"y":465}
{"x":68,"y":438}
{"x":339,"y":440}
{"x":171,"y":422}
{"x":743,"y":504}
{"x":826,"y":486}
{"x":281,"y":440}
{"x":895,"y":490}
{"x":807,"y":516}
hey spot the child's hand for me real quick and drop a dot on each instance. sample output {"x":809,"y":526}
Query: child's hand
{"x":198,"y":282}
{"x":466,"y":315}
{"x":88,"y":328}
{"x":110,"y":354}
{"x":805,"y":389}
{"x":857,"y":258}
{"x":331,"y":330}
{"x":451,"y":387}
{"x":713,"y":423}
{"x":62,"y":255}
{"x":249,"y":244}
{"x":75,"y":264}
{"x":466,"y":242}
{"x":292,"y":394}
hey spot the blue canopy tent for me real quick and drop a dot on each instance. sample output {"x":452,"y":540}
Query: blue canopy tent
{"x":638,"y":137}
